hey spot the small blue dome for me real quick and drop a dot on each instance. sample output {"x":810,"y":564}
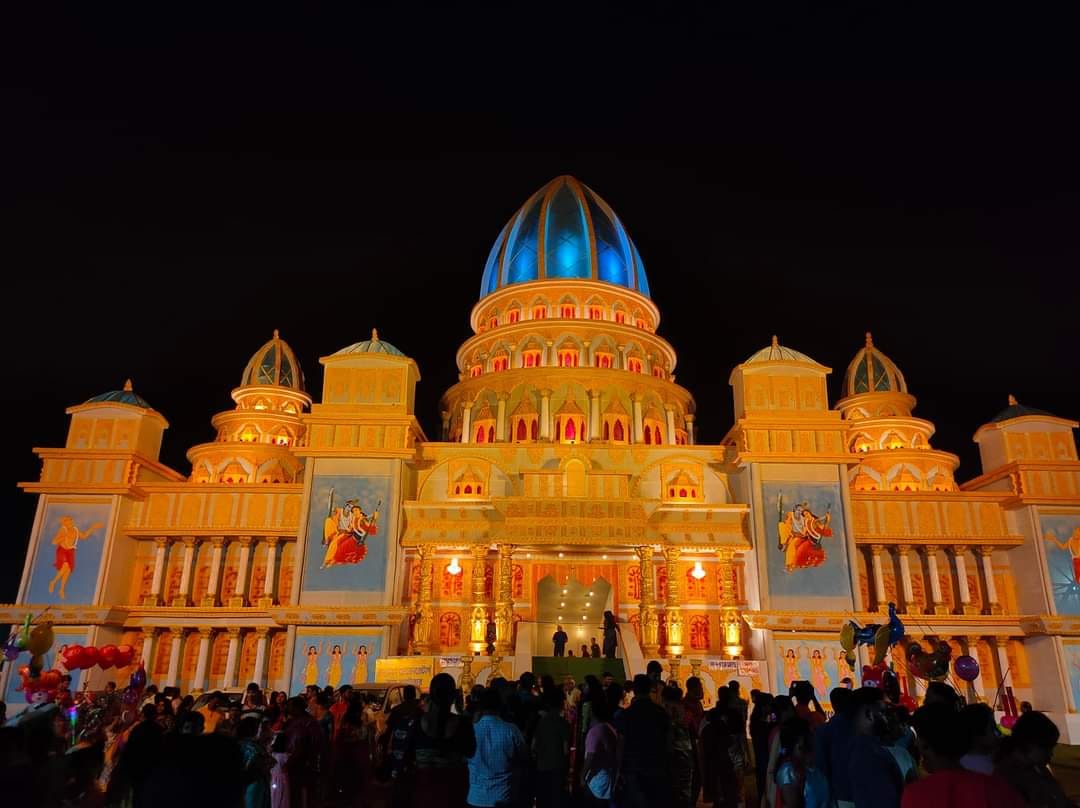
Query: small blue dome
{"x":370,"y":346}
{"x":564,"y":230}
{"x":125,"y":396}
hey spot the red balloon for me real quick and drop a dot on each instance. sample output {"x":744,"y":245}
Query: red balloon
{"x":90,"y":657}
{"x":908,"y":703}
{"x":71,"y":657}
{"x":124,"y":655}
{"x":24,"y":674}
{"x":50,"y":680}
{"x":1009,"y":721}
{"x":107,"y":656}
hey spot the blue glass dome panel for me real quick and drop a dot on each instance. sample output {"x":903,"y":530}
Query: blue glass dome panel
{"x":522,"y":257}
{"x":613,"y":260}
{"x":642,"y":281}
{"x":490,"y":281}
{"x":566,"y":237}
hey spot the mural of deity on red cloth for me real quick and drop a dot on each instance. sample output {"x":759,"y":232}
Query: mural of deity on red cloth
{"x":800,"y":533}
{"x":345,"y":532}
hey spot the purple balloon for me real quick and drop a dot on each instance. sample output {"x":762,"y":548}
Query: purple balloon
{"x":138,"y":678}
{"x":966,"y":667}
{"x":129,"y":697}
{"x":11,"y":649}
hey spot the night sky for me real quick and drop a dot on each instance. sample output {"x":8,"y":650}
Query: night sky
{"x":174,"y":188}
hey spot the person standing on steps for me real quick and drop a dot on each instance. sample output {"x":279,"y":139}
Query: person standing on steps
{"x":559,"y":639}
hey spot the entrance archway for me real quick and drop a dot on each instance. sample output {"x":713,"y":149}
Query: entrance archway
{"x":579,"y":607}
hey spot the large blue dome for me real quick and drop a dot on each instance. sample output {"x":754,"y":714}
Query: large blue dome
{"x":564,"y":230}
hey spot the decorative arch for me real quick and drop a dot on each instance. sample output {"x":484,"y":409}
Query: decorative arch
{"x":699,"y":632}
{"x":452,"y":586}
{"x":633,"y":583}
{"x":449,"y":630}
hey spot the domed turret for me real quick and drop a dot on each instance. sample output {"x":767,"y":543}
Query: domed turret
{"x":871,"y":371}
{"x":564,"y":231}
{"x":370,"y":346}
{"x":274,"y":364}
{"x":124,"y":396}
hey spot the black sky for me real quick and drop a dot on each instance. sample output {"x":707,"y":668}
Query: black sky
{"x":176,"y":186}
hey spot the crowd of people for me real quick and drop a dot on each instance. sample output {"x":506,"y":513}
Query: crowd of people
{"x":646,"y":742}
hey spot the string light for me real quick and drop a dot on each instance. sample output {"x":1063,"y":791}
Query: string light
{"x":698,"y":571}
{"x":454,"y":568}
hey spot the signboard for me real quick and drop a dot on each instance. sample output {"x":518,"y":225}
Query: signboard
{"x":408,"y":670}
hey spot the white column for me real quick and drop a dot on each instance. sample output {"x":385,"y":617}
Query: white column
{"x":545,"y":415}
{"x":242,"y":571}
{"x":965,"y":606}
{"x":173,"y":676}
{"x":199,"y":684}
{"x":260,"y":656}
{"x":183,"y":598}
{"x":149,"y":636}
{"x":976,"y":685}
{"x":879,"y":577}
{"x":986,"y":555}
{"x":669,"y":412}
{"x":500,"y":418}
{"x":1002,"y":644}
{"x":937,"y":601}
{"x":231,"y":659}
{"x":903,"y":552}
{"x":267,"y":598}
{"x":690,"y":439}
{"x":466,"y":423}
{"x":549,"y":353}
{"x":211,"y":596}
{"x":594,"y":415}
{"x":639,"y":426}
{"x":159,"y":570}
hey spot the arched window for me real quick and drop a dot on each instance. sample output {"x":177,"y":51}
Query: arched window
{"x":640,"y":323}
{"x":633,"y":583}
{"x":539,"y":312}
{"x":530,"y":358}
{"x":658,"y":371}
{"x":558,"y":426}
{"x":656,"y":436}
{"x":493,"y":322}
{"x":481,"y":434}
{"x":596,"y":313}
{"x":695,"y":588}
{"x":513,"y":316}
{"x":571,"y":431}
{"x":452,"y":585}
{"x":517,"y":585}
{"x":619,"y":433}
{"x":533,"y":429}
{"x":491,"y":434}
{"x":449,"y":630}
{"x":648,"y":435}
{"x":634,"y":365}
{"x":620,"y":317}
{"x":501,"y":362}
{"x":607,"y":431}
{"x":568,"y":358}
{"x":603,"y":360}
{"x":476,"y":370}
{"x":567,"y":311}
{"x":522,"y":430}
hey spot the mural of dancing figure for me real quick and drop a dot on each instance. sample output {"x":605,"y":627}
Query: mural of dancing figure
{"x":67,"y":539}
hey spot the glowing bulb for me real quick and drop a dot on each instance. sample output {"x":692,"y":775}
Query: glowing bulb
{"x":583,"y":617}
{"x":560,"y":555}
{"x":564,"y":591}
{"x":560,"y":617}
{"x":587,"y":605}
{"x":590,"y":594}
{"x":698,"y":571}
{"x":528,"y":555}
{"x":562,"y":604}
{"x":604,"y":556}
{"x":454,"y":568}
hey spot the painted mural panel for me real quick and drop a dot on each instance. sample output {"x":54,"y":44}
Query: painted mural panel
{"x":818,"y":660}
{"x":1072,"y":670}
{"x":806,"y":540}
{"x":335,"y":657}
{"x":69,"y":550}
{"x":1061,"y":541}
{"x":349,"y":523}
{"x":15,"y":698}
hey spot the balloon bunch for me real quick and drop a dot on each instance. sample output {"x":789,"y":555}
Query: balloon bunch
{"x":933,"y":665}
{"x":878,"y":636}
{"x":37,"y":640}
{"x":132,"y":694}
{"x":80,"y":657}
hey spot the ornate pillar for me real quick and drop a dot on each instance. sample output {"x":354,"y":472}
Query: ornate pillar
{"x":991,"y":606}
{"x":669,"y":413}
{"x":261,"y":634}
{"x":639,"y":424}
{"x":232,"y":658}
{"x":478,"y":620}
{"x":172,"y":678}
{"x":976,"y":685}
{"x":545,"y":414}
{"x":650,"y":625}
{"x":162,"y":549}
{"x":1001,"y":645}
{"x":238,"y":597}
{"x":903,"y":552}
{"x":425,"y":615}
{"x":183,"y":597}
{"x":500,"y":417}
{"x":466,"y":680}
{"x":266,"y":599}
{"x":594,"y":415}
{"x":673,"y":611}
{"x":149,"y":636}
{"x":879,"y":577}
{"x":937,"y":602}
{"x":199,"y":684}
{"x":211,"y":596}
{"x":549,"y":354}
{"x":965,"y":606}
{"x":730,"y":621}
{"x":504,"y":605}
{"x":690,"y":439}
{"x":466,"y":423}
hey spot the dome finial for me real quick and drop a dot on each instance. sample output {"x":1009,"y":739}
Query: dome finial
{"x":1012,"y":400}
{"x":127,"y":386}
{"x":374,"y":335}
{"x":276,"y":334}
{"x":775,"y":341}
{"x":869,"y":340}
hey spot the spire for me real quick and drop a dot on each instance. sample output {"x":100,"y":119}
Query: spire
{"x":869,"y":340}
{"x":1012,"y":400}
{"x":775,"y":341}
{"x":374,"y":335}
{"x":276,"y":334}
{"x":127,"y":386}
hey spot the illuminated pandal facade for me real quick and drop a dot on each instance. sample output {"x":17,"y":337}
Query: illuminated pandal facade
{"x":566,"y":463}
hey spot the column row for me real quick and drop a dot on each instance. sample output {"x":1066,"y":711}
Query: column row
{"x":179,"y":639}
{"x":935,"y":601}
{"x":237,"y":595}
